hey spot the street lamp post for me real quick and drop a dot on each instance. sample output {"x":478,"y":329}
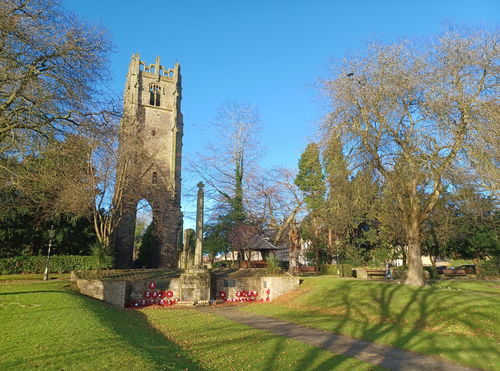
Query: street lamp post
{"x":52,"y":232}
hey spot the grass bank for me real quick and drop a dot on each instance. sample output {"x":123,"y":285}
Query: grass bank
{"x":33,"y":276}
{"x":453,"y":319}
{"x":48,"y":326}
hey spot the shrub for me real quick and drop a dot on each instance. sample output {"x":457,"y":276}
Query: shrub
{"x":149,"y":252}
{"x":331,"y":269}
{"x":346,"y":270}
{"x":342,"y":270}
{"x":58,"y":264}
{"x":102,"y":254}
{"x":273,"y":264}
{"x":490,"y":268}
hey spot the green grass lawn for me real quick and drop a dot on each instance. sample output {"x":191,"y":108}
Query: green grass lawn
{"x":46,"y":325}
{"x":32,"y":276}
{"x":221,"y":344}
{"x":454,"y":319}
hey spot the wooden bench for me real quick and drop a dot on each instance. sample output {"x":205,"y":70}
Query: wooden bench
{"x":375,"y":272}
{"x":454,"y":273}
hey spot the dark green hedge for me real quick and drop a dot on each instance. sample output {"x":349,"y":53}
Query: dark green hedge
{"x":342,"y":270}
{"x":58,"y":264}
{"x":490,"y":268}
{"x":331,"y":269}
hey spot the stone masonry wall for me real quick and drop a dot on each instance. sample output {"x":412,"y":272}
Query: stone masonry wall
{"x":111,"y":292}
{"x":121,"y":293}
{"x":277,"y":286}
{"x":139,"y":287}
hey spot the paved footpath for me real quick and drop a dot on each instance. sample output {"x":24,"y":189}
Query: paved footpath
{"x":376,"y":354}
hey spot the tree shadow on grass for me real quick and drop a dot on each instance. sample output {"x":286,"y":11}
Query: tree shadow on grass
{"x":65,"y":329}
{"x":227,"y":344}
{"x":407,"y":318}
{"x":132,"y":327}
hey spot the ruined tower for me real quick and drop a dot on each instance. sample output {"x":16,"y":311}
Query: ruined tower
{"x":150,"y":157}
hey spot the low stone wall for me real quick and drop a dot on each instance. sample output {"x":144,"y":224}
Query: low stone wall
{"x":139,"y":287}
{"x":191,"y":286}
{"x":111,"y":292}
{"x":360,"y":273}
{"x":276,"y":286}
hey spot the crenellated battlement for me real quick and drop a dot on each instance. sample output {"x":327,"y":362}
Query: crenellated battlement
{"x":152,"y":84}
{"x":153,"y":69}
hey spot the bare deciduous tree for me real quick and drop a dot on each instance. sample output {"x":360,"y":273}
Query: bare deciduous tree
{"x":113,"y":171}
{"x":275,"y":201}
{"x":51,"y":67}
{"x":240,"y":237}
{"x":225,"y":164}
{"x":415,"y":113}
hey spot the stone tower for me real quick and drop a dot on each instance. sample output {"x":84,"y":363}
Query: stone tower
{"x":150,"y":156}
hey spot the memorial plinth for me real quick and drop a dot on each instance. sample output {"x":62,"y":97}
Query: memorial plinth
{"x":195,"y":285}
{"x":195,"y":281}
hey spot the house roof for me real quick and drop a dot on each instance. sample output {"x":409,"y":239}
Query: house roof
{"x":260,"y":243}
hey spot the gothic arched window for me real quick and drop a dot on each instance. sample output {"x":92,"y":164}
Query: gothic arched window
{"x":154,"y":95}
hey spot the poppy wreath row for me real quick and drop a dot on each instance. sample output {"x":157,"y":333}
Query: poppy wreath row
{"x":141,"y":303}
{"x":250,"y":293}
{"x":241,"y":300}
{"x":158,"y":294}
{"x":149,"y":302}
{"x":238,"y":300}
{"x":167,"y":302}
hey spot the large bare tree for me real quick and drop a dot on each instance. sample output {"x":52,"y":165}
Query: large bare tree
{"x":276,"y":202}
{"x":52,"y":68}
{"x":416,"y":112}
{"x":228,"y":162}
{"x":113,"y":170}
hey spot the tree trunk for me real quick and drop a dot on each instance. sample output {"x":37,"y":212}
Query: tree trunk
{"x":294,"y":241}
{"x":317,"y":260}
{"x":477,"y":263}
{"x":330,"y":246}
{"x":415,"y":269}
{"x":433,"y":259}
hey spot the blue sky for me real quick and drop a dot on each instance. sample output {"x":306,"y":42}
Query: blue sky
{"x":269,"y":53}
